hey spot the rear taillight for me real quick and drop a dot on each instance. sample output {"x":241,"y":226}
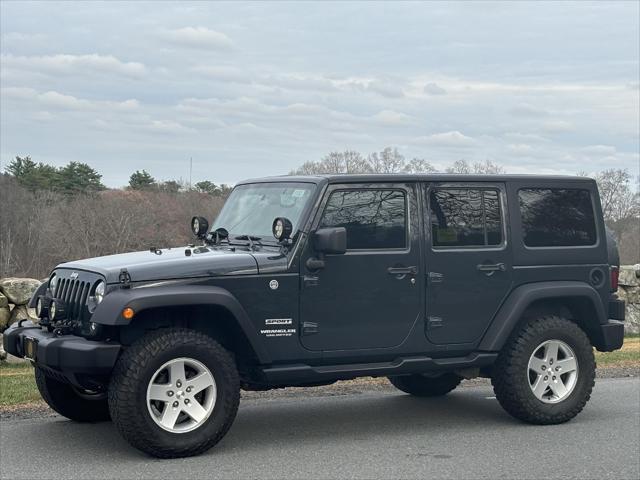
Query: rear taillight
{"x":615,"y":272}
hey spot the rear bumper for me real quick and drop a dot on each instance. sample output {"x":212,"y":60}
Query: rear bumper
{"x":67,"y":355}
{"x":616,"y":309}
{"x":612,"y":336}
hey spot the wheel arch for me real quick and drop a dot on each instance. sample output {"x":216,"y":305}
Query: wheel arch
{"x":577,"y":301}
{"x":212,"y":310}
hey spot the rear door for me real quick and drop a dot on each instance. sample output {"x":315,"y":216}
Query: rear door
{"x":469,"y":266}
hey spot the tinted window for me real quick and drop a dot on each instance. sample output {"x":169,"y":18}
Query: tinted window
{"x":373,"y":218}
{"x":463,"y":217}
{"x":556,"y":217}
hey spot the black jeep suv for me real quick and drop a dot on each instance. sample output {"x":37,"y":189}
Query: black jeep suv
{"x":303,"y":281}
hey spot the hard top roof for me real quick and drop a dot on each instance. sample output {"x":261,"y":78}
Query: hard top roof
{"x":411,"y":177}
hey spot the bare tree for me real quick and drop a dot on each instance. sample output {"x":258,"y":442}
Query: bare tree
{"x":389,"y":160}
{"x":459,"y":166}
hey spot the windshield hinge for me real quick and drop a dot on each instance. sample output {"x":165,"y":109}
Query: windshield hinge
{"x":124,"y":278}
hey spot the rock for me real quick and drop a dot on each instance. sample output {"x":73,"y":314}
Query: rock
{"x":632,"y":320}
{"x":4,"y":301}
{"x":632,"y":295}
{"x":21,"y":312}
{"x":629,"y":275}
{"x":3,"y":354}
{"x":5,"y":314}
{"x":19,"y":290}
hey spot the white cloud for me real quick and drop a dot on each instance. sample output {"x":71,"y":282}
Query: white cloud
{"x":74,"y":64}
{"x":446,"y":139}
{"x":199,"y":37}
{"x":526,"y":110}
{"x":557,"y":126}
{"x":599,"y":150}
{"x":434,"y":89}
{"x":391,"y":117}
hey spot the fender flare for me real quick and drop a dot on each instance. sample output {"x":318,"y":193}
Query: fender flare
{"x":109,"y":312}
{"x":514,"y":306}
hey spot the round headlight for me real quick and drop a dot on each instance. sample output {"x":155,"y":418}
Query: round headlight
{"x":53,"y":283}
{"x":199,"y":226}
{"x":99,"y":291}
{"x":39,"y":307}
{"x":282,"y":228}
{"x":52,"y":310}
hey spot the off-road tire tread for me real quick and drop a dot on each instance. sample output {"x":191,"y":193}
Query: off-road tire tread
{"x":515,"y":396}
{"x":127,"y":373}
{"x":64,"y":400}
{"x":421,"y":386}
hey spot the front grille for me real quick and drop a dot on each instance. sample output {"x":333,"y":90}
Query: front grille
{"x":73,"y":289}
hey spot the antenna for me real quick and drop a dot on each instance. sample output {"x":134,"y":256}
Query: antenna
{"x":190,"y":171}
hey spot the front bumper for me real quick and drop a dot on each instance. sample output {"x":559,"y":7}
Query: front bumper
{"x":68,"y":357}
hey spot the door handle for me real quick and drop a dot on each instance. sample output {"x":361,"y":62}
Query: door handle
{"x":490,"y":269}
{"x":402,"y":270}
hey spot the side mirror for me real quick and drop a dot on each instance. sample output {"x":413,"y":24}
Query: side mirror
{"x":199,"y":226}
{"x":330,"y":240}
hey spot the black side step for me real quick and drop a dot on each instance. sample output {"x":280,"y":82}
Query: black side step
{"x":286,"y":374}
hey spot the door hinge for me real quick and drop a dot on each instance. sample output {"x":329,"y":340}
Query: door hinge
{"x":434,"y":322}
{"x":435,"y":277}
{"x":309,"y":328}
{"x":310,"y":281}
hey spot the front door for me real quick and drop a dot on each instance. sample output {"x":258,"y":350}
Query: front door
{"x":370,"y":296}
{"x":468,"y":263}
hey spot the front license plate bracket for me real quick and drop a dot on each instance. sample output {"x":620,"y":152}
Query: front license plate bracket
{"x":30,"y":348}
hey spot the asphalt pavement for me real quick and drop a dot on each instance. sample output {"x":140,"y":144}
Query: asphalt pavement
{"x":374,"y":434}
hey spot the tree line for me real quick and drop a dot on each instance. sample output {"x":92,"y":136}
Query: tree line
{"x":53,"y":214}
{"x":77,"y":177}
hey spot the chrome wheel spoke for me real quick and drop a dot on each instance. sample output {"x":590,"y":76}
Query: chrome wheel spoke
{"x":540,"y":387}
{"x":558,"y":388}
{"x":159,"y":392}
{"x":196,"y":411}
{"x":567,"y":365}
{"x":176,"y":372}
{"x":551,"y":352}
{"x":170,"y":416}
{"x":536,"y":365}
{"x":199,"y":382}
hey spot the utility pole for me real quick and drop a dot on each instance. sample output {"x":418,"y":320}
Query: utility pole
{"x":190,"y":171}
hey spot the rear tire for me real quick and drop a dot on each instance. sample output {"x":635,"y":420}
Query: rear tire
{"x":174,"y":393}
{"x":70,"y":402}
{"x":424,"y":386}
{"x":545,"y":373}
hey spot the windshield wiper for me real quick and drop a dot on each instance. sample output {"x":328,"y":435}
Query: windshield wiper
{"x":251,"y":239}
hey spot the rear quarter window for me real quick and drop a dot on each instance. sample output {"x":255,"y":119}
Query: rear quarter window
{"x":557,"y":217}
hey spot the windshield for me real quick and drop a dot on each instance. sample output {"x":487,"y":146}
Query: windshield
{"x":252,"y":208}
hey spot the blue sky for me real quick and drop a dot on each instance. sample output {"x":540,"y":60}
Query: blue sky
{"x":252,"y":89}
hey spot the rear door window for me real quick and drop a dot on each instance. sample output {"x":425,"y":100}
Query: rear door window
{"x":557,"y":217}
{"x":465,"y":217}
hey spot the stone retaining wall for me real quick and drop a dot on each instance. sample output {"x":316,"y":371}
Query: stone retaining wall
{"x":629,"y":291}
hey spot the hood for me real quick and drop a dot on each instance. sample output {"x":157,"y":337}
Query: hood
{"x":169,"y":263}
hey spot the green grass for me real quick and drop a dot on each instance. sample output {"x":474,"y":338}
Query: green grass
{"x":18,"y":387}
{"x":628,"y":355}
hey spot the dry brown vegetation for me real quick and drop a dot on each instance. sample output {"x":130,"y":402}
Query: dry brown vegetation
{"x":40,"y":229}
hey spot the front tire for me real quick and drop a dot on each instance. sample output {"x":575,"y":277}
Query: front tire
{"x":545,"y":373}
{"x":174,"y":393}
{"x":71,"y":402}
{"x":426,"y":386}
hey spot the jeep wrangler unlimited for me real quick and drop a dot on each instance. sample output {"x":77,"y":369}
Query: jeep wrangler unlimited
{"x":303,"y":281}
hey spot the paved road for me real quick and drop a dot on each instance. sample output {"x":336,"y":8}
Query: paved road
{"x":369,"y":435}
